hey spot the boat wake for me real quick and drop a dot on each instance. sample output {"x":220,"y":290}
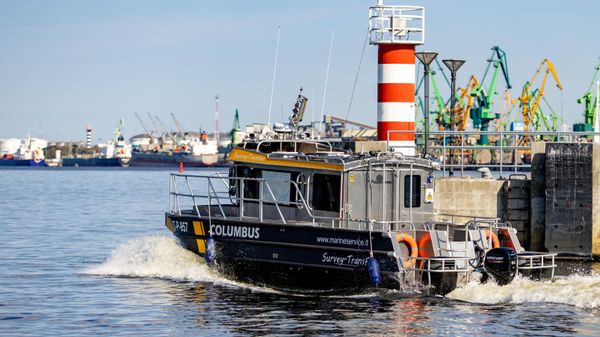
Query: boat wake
{"x":575,"y":290}
{"x":160,"y":257}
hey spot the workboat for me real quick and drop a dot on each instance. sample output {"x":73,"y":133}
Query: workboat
{"x":299,"y":214}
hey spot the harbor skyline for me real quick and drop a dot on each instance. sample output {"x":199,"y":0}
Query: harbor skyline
{"x":68,"y":64}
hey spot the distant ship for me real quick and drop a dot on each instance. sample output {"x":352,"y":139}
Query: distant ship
{"x":29,"y":152}
{"x":192,"y":152}
{"x":115,"y":153}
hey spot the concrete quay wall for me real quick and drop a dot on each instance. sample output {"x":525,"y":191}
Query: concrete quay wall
{"x":459,"y":199}
{"x":557,"y":210}
{"x":467,"y":198}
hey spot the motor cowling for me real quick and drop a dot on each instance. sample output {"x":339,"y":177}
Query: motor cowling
{"x":501,"y":264}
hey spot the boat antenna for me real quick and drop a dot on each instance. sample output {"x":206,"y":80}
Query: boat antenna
{"x":326,"y":79}
{"x":312,"y":117}
{"x":217,"y":116}
{"x":357,"y":73}
{"x":274,"y":72}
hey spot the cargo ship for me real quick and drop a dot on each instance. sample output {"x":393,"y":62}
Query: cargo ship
{"x":114,"y":154}
{"x":29,"y":152}
{"x":194,"y":152}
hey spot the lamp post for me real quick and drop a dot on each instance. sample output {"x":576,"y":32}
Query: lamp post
{"x":426,"y":58}
{"x":453,"y":66}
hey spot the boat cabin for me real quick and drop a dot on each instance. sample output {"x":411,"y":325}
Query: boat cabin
{"x":311,"y":181}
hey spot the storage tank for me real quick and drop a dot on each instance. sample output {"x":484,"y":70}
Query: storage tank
{"x":9,"y":146}
{"x":141,"y":141}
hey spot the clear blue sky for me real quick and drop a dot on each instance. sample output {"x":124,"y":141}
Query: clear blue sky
{"x":65,"y":64}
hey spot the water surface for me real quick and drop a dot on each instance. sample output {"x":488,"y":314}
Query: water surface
{"x":85,"y":252}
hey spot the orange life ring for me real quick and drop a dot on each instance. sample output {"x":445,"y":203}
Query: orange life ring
{"x":411,"y":244}
{"x":495,"y":241}
{"x":422,"y":248}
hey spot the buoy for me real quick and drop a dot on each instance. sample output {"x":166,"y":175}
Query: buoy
{"x":374,"y":272}
{"x":180,"y":167}
{"x":209,"y":255}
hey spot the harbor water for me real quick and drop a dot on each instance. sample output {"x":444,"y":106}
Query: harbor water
{"x":86,"y":252}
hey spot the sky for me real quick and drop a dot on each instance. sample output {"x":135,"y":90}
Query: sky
{"x":65,"y":64}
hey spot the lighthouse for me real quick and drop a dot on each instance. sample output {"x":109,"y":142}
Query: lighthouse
{"x":396,"y":30}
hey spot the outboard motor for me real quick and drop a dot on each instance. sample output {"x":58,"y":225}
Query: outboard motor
{"x":501,"y":264}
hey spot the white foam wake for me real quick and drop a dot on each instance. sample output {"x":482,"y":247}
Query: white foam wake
{"x":160,"y":257}
{"x":153,"y":256}
{"x":576,"y":290}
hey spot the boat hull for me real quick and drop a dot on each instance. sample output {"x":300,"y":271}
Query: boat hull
{"x":295,"y":257}
{"x":22,"y":162}
{"x":94,"y":162}
{"x":151,"y":159}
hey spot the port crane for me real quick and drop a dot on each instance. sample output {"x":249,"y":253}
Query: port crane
{"x":156,"y":128}
{"x":148,"y":132}
{"x":442,"y":115}
{"x":505,"y":111}
{"x":590,"y":105}
{"x":462,"y":108}
{"x":481,"y":113}
{"x":179,"y":128}
{"x":545,"y":118}
{"x":529,"y":100}
{"x":163,"y":125}
{"x":236,"y":128}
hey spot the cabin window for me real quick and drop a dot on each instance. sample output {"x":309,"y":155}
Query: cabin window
{"x":299,"y":194}
{"x":415,"y":199}
{"x":250,"y":187}
{"x":232,"y":181}
{"x":326,"y":192}
{"x":279,"y":184}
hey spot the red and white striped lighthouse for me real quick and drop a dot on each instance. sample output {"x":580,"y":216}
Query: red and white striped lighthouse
{"x":396,"y":30}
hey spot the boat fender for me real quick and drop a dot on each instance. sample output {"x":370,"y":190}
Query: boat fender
{"x":374,"y":271}
{"x":209,"y":255}
{"x":410,"y":242}
{"x":495,"y":241}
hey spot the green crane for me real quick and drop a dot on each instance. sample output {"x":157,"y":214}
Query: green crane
{"x":481,"y":113}
{"x":589,"y":102}
{"x":443,"y":117}
{"x":236,"y":128}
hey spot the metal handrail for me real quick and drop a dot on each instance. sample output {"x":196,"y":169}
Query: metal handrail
{"x":454,"y":151}
{"x":295,"y":142}
{"x":213,"y":193}
{"x":302,"y":203}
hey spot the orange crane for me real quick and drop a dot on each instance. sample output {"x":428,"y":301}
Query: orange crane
{"x":530,"y":100}
{"x":462,"y":108}
{"x":506,"y":109}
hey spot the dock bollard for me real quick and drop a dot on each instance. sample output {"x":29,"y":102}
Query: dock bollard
{"x":180,"y":167}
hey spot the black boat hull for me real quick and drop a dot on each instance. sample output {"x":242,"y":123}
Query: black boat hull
{"x":295,"y":257}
